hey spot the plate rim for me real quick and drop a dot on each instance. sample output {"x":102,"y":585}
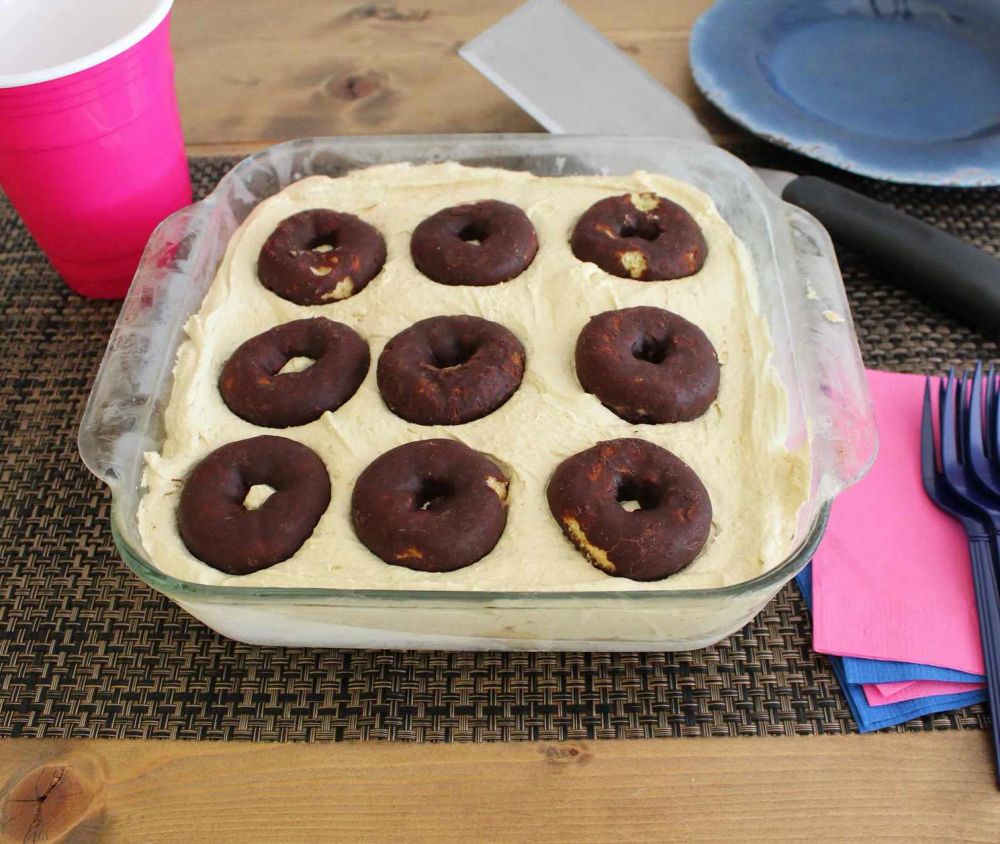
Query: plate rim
{"x":792,"y":133}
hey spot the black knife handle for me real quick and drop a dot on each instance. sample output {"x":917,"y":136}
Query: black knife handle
{"x":941,"y":268}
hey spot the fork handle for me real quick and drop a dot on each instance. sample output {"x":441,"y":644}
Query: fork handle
{"x":984,"y":578}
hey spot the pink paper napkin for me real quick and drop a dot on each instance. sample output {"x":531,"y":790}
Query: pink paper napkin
{"x":879,"y":694}
{"x":892,"y":579}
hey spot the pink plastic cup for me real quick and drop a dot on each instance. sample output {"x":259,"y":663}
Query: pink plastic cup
{"x":91,"y":150}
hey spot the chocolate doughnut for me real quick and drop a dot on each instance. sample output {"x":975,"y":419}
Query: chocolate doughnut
{"x":648,"y":365}
{"x":448,"y":370}
{"x":480,"y":244}
{"x":640,"y":236}
{"x":433,"y":505}
{"x":319,"y":256}
{"x":253,"y":389}
{"x":218,"y":528}
{"x":631,"y":508}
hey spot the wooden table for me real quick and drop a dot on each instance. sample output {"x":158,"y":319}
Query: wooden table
{"x":252,"y":72}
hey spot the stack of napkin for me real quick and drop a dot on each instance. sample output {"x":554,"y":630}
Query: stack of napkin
{"x":890,"y":588}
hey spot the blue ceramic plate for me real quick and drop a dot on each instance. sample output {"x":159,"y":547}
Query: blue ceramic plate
{"x":903,"y":90}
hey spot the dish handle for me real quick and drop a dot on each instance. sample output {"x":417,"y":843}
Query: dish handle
{"x":837,"y":399}
{"x":119,"y":421}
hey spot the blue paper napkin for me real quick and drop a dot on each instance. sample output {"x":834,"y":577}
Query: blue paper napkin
{"x":858,"y":671}
{"x":869,"y":717}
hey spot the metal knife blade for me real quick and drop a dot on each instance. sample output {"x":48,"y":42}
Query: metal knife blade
{"x":572,"y":79}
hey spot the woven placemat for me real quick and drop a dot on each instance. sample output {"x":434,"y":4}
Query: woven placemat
{"x":87,"y":650}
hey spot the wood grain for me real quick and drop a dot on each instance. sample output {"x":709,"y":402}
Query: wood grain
{"x":253,"y":73}
{"x":932,"y":786}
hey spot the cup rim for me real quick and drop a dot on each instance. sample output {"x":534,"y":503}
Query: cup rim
{"x":47,"y":74}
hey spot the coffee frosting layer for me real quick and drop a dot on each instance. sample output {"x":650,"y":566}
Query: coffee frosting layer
{"x":737,"y":447}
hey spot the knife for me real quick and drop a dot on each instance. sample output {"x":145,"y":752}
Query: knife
{"x":572,"y":79}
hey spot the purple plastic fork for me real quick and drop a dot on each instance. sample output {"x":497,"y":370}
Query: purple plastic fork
{"x":947,"y":487}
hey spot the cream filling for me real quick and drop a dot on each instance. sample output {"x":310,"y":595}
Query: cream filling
{"x":737,"y":447}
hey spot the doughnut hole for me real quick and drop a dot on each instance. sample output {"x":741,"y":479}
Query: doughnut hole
{"x":474,"y":232}
{"x":452,"y":352}
{"x":322,"y":242}
{"x":643,"y":227}
{"x":432,"y":494}
{"x":257,"y":495}
{"x":638,"y":494}
{"x":299,"y":363}
{"x":651,"y":349}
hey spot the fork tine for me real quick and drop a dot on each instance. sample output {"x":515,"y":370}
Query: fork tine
{"x":946,"y":422}
{"x":961,"y":419}
{"x":928,"y":453}
{"x":979,"y":463}
{"x":977,"y":444}
{"x":970,"y":408}
{"x":993,"y":409}
{"x":988,"y":412}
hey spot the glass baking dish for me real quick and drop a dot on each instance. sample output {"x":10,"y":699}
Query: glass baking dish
{"x":801,"y":296}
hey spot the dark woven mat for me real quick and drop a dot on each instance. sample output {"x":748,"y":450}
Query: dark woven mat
{"x":87,"y":650}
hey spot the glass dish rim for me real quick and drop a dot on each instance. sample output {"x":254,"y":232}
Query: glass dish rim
{"x":296,"y":594}
{"x":222,"y":593}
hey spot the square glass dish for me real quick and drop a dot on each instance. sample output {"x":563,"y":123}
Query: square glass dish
{"x":801,"y":296}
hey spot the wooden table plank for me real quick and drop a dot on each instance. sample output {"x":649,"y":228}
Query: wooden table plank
{"x":253,"y":73}
{"x":932,"y":786}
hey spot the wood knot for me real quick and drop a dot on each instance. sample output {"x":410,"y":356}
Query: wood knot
{"x":388,"y":12}
{"x":47,"y":803}
{"x":565,"y":753}
{"x":356,"y":86}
